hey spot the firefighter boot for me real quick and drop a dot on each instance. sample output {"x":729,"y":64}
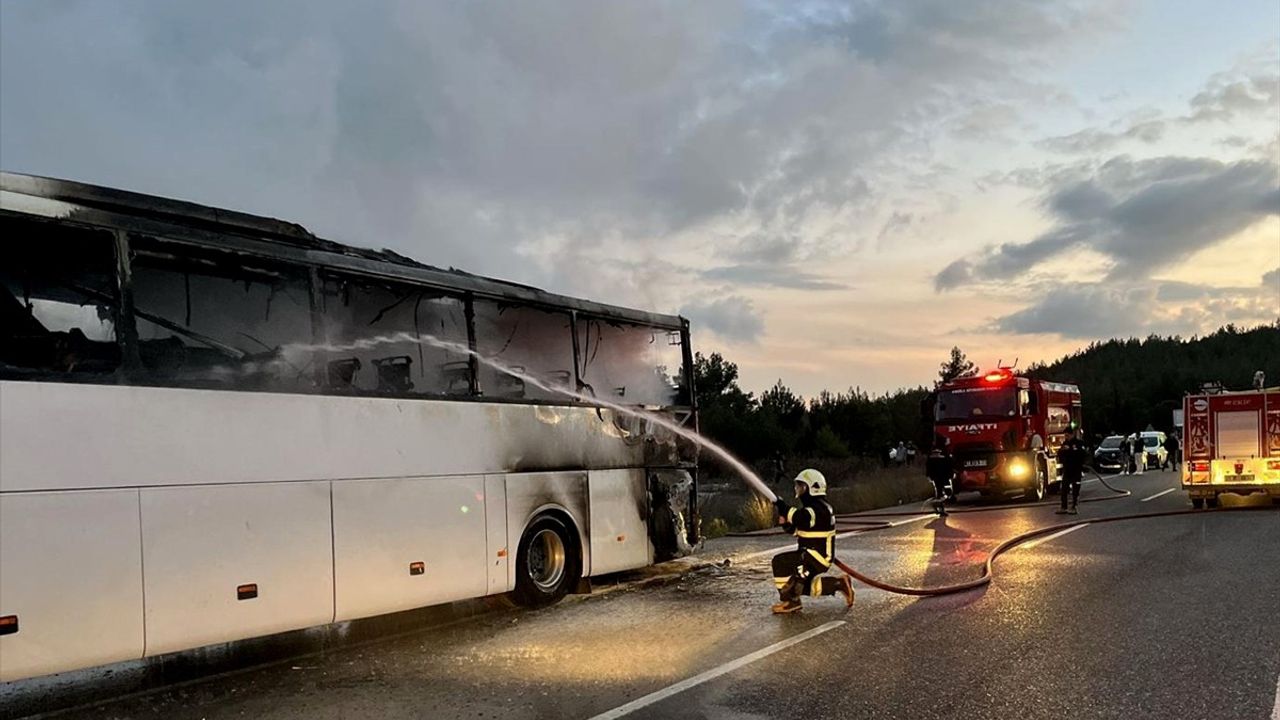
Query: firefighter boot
{"x":844,"y":586}
{"x":787,"y":606}
{"x":789,"y":595}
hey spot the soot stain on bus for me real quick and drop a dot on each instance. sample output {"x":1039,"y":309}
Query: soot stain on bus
{"x":148,"y":298}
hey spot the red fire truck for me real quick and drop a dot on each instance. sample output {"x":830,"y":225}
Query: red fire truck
{"x":1232,"y":445}
{"x":1003,"y":430}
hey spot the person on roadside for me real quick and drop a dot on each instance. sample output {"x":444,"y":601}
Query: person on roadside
{"x":900,"y":453}
{"x":1126,"y":457}
{"x":798,"y":572}
{"x":939,"y":467}
{"x":1073,"y":454}
{"x":1173,"y":451}
{"x":1139,"y":453}
{"x":778,"y":465}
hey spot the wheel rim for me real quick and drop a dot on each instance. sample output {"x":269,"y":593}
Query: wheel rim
{"x":546,"y":560}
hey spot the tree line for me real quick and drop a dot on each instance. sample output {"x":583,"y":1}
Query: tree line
{"x":1126,"y":385}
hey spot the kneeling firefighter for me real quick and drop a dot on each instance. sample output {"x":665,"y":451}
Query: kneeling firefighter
{"x":798,"y":572}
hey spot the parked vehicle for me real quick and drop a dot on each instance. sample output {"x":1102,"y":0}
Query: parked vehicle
{"x":1108,"y":455}
{"x":1232,"y":445}
{"x":1004,"y":430}
{"x":1153,"y":448}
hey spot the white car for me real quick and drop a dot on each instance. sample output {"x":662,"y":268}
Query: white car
{"x":1153,"y":446}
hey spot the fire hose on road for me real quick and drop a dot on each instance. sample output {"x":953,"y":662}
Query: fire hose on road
{"x":988,"y":568}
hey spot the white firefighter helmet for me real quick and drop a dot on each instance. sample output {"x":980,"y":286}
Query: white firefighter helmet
{"x":813,"y":480}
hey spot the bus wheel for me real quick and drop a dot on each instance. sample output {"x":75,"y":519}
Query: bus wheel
{"x":1197,"y":503}
{"x":548,"y":563}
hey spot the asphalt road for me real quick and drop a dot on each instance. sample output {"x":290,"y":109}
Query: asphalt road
{"x":1175,"y":617}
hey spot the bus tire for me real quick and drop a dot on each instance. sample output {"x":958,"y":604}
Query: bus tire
{"x":548,"y":562}
{"x":1197,"y":503}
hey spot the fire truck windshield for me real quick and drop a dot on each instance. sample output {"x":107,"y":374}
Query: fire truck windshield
{"x":968,"y":403}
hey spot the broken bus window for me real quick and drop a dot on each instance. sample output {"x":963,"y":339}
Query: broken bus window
{"x":58,"y":301}
{"x":530,"y":341}
{"x":207,"y":318}
{"x":375,"y":332}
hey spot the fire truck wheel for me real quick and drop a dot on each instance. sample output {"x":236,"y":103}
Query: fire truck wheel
{"x":1197,"y":503}
{"x":1211,"y":502}
{"x":1038,"y":491}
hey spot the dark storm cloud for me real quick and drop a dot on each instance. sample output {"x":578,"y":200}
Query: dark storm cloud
{"x":732,"y":318}
{"x":1143,"y":215}
{"x":1093,"y":140}
{"x":515,"y":139}
{"x":761,"y":275}
{"x":1227,"y":96}
{"x":1094,"y":310}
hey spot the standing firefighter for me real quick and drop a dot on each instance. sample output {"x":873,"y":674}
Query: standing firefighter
{"x":940,"y":469}
{"x":1073,"y":454}
{"x":798,"y":572}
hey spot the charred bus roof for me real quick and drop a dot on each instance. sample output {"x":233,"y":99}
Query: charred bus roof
{"x":197,"y":224}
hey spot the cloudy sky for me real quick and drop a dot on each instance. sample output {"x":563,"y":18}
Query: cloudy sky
{"x":834,"y":192}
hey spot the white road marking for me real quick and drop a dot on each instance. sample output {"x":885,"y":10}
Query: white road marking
{"x":1275,"y":710}
{"x":714,"y":673}
{"x":1162,"y":492}
{"x":1058,"y":534}
{"x":896,"y":523}
{"x":850,"y":533}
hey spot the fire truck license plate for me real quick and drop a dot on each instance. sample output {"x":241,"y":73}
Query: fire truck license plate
{"x":975,"y":463}
{"x":1237,"y":478}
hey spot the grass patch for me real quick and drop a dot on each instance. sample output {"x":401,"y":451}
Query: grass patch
{"x":880,"y":488}
{"x":716,"y":528}
{"x":757,"y":513}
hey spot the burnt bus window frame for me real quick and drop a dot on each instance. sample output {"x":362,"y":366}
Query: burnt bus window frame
{"x":585,"y":351}
{"x":131,"y":371}
{"x":323,"y":276}
{"x":216,"y":264}
{"x":110,"y":240}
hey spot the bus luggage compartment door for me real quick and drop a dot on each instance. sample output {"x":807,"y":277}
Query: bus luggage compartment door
{"x":71,"y":575}
{"x":228,"y":562}
{"x":619,"y":520}
{"x":408,"y":542}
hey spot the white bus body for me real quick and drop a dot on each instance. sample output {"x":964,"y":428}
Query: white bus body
{"x":138,"y":520}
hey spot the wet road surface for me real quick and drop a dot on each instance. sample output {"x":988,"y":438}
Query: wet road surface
{"x":1154,"y":618}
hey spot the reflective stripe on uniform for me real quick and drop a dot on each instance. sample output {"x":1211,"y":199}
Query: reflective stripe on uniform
{"x":826,"y":561}
{"x":791,"y":513}
{"x":816,"y":533}
{"x":813,"y":517}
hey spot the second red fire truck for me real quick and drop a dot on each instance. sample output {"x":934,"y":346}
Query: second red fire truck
{"x":1232,"y":444}
{"x":1003,"y":430}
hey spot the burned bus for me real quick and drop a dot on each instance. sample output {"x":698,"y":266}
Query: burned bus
{"x":216,"y":426}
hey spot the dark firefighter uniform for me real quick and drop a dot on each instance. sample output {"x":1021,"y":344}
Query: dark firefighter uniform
{"x":940,"y":469}
{"x":798,"y":572}
{"x":1073,"y":454}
